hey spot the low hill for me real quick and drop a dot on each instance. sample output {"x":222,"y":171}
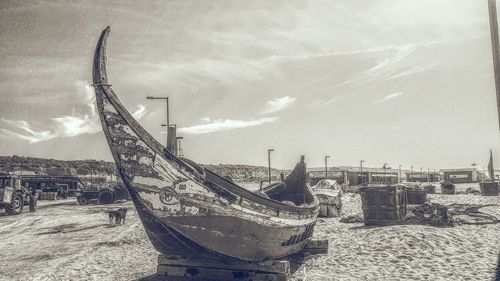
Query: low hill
{"x":31,"y":165}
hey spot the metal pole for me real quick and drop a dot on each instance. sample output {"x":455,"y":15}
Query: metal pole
{"x":168,"y":118}
{"x":411,"y":173}
{"x":269,"y":163}
{"x":361,"y":165}
{"x":326,"y":167}
{"x":492,"y":9}
{"x":400,"y":180}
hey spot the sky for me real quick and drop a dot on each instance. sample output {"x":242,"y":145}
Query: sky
{"x":401,"y":82}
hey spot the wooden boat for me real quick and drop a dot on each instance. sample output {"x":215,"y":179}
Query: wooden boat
{"x":329,"y":195}
{"x":190,"y":211}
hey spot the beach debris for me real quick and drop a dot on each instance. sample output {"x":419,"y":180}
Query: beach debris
{"x":430,"y":213}
{"x":470,"y":214}
{"x":470,"y":190}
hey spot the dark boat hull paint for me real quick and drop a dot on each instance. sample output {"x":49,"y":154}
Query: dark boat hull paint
{"x":194,"y":212}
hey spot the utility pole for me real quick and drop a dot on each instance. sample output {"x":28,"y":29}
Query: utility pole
{"x":168,"y":119}
{"x":385,"y":172}
{"x":492,"y":9}
{"x":361,"y":165}
{"x":428,"y":174}
{"x":411,"y":173}
{"x":326,"y":166}
{"x":400,"y":175}
{"x":269,"y":162}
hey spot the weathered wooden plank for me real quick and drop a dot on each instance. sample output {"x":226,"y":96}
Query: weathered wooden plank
{"x":315,"y":247}
{"x":271,"y":266}
{"x":220,"y":274}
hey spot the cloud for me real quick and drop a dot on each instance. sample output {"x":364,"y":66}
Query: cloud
{"x":278,"y":104}
{"x":205,"y":119}
{"x":224,"y":125}
{"x":389,"y":97}
{"x":63,"y":126}
{"x":139,"y":112}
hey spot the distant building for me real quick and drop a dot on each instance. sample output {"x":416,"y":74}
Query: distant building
{"x":353,"y":175}
{"x":422,"y":176}
{"x":465,"y":175}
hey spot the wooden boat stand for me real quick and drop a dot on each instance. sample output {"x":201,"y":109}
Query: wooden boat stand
{"x":183,"y":268}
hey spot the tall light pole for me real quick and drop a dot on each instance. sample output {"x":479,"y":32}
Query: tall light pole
{"x":492,"y":9}
{"x":400,"y":175}
{"x":411,"y":173}
{"x":326,"y":166}
{"x":168,"y":119}
{"x":428,"y":175}
{"x":361,"y":165}
{"x":269,"y":162}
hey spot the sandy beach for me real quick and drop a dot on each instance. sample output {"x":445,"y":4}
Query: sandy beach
{"x":66,"y":241}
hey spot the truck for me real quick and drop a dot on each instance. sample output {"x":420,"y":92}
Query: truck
{"x":102,"y":191}
{"x":62,"y":186}
{"x":14,"y":197}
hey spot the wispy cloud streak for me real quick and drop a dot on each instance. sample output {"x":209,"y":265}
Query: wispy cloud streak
{"x":389,"y":97}
{"x":224,"y":125}
{"x":278,"y":104}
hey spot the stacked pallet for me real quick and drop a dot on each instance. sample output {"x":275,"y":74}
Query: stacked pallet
{"x":48,"y":196}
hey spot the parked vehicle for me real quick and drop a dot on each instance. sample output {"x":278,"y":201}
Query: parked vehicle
{"x":14,"y":196}
{"x":62,"y":186}
{"x":102,"y":192}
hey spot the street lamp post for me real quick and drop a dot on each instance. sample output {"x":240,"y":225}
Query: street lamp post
{"x":326,"y":166}
{"x":361,"y":165}
{"x":400,"y":175}
{"x":411,"y":173}
{"x":385,"y":172}
{"x":168,"y":119}
{"x":269,"y":163}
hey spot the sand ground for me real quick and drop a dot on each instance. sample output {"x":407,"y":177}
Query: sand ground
{"x":66,"y":241}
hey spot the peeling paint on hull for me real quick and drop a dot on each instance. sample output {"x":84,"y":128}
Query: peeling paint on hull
{"x":192,"y":211}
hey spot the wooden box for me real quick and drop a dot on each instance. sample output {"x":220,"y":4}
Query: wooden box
{"x":489,"y":188}
{"x":447,"y":188}
{"x":430,"y":189}
{"x":383,"y":204}
{"x":416,"y":195}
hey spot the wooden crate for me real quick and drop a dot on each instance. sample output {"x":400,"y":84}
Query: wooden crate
{"x":383,"y":204}
{"x":416,"y":196}
{"x":448,"y":189}
{"x":430,"y":189}
{"x":489,"y":188}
